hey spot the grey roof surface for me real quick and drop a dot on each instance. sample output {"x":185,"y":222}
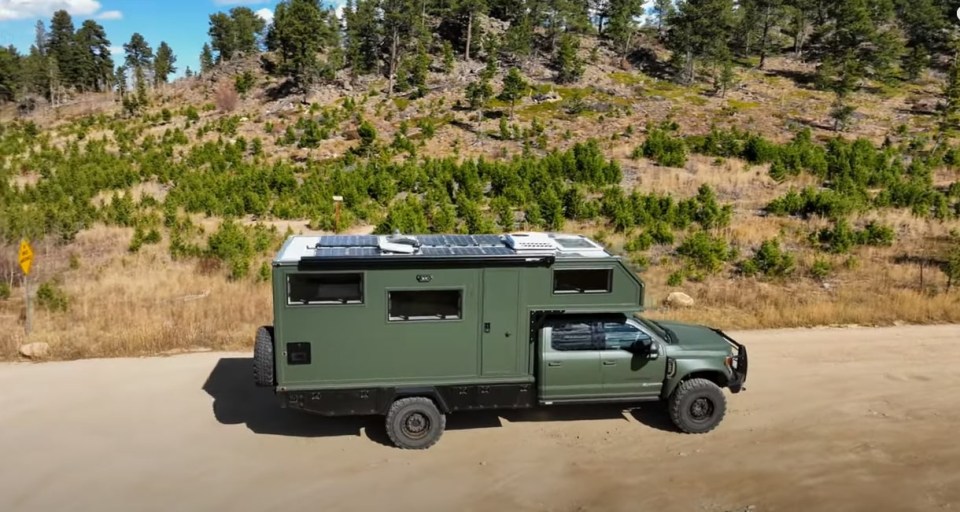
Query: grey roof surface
{"x":533,"y":244}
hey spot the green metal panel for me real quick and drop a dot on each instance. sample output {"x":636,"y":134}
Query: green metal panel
{"x":626,"y":374}
{"x":568,"y":375}
{"x":626,"y":291}
{"x":356,"y":344}
{"x":501,"y":339}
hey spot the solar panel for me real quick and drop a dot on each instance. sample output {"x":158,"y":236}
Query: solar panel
{"x":348,"y":241}
{"x":459,"y":240}
{"x":339,"y":252}
{"x":493,"y":240}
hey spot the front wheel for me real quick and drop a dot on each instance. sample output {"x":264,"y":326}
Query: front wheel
{"x":697,"y":406}
{"x":415,"y":423}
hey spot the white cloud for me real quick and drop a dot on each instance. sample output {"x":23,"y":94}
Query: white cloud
{"x":116,"y":50}
{"x":266,"y":14}
{"x":33,"y":9}
{"x":110,"y":15}
{"x":26,"y":9}
{"x":239,"y":2}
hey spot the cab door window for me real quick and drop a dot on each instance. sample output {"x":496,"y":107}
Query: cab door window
{"x":620,"y":335}
{"x":572,"y":335}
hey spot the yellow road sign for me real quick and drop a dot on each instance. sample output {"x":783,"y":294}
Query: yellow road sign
{"x":26,"y":257}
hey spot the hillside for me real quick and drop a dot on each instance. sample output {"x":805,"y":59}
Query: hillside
{"x":152,"y":226}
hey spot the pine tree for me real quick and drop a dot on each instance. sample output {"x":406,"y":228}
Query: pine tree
{"x":514,"y":88}
{"x":768,"y":11}
{"x":247,"y":29}
{"x":518,"y":40}
{"x":468,"y":11}
{"x":950,"y":108}
{"x":398,"y":18}
{"x":363,"y":35}
{"x":569,"y":65}
{"x":701,"y":30}
{"x":9,"y":73}
{"x":62,"y":45}
{"x":622,"y":25}
{"x":924,"y":27}
{"x":299,"y":32}
{"x":663,"y":10}
{"x":163,"y":65}
{"x":206,"y":59}
{"x":222,"y":37}
{"x":139,"y":58}
{"x":94,"y":49}
{"x":601,"y":12}
{"x":800,"y":13}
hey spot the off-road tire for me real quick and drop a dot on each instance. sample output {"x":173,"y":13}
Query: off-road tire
{"x":263,"y":359}
{"x":697,"y":406}
{"x":415,"y":423}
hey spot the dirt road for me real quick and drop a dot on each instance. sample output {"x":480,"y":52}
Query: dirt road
{"x":851,"y":419}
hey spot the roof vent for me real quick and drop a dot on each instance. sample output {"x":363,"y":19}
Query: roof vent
{"x":398,"y":243}
{"x":530,"y":242}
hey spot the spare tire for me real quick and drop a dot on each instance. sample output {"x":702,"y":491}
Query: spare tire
{"x":263,"y":359}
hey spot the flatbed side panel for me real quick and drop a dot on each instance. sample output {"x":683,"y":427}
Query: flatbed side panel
{"x":377,"y":400}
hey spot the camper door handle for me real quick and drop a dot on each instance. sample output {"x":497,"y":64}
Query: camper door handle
{"x":486,"y":327}
{"x":554,"y":363}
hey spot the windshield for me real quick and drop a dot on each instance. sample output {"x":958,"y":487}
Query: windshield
{"x":655,"y":326}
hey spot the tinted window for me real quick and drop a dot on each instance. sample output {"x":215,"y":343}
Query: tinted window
{"x":572,"y":335}
{"x":425,"y":305}
{"x":619,"y":335}
{"x":582,"y":281}
{"x":325,"y":288}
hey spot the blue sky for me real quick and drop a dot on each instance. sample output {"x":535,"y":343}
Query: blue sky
{"x":181,"y":23}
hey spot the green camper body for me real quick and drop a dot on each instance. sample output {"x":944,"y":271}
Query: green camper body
{"x":416,"y":327}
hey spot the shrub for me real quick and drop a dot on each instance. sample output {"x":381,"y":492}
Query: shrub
{"x":4,"y":291}
{"x":770,"y":260}
{"x":226,"y":98}
{"x":51,"y":297}
{"x":821,"y":269}
{"x":244,"y":82}
{"x":664,"y":149}
{"x":705,"y":252}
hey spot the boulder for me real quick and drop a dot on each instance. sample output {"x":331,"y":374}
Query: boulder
{"x":679,"y":299}
{"x":35,"y":350}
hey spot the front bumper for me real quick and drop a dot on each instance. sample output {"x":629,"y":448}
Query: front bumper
{"x":738,"y":369}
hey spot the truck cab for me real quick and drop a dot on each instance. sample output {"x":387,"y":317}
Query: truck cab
{"x":599,"y":357}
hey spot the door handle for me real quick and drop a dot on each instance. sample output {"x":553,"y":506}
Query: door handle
{"x":609,"y":363}
{"x":554,"y":363}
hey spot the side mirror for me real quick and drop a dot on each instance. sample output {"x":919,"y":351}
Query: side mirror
{"x":645,"y":347}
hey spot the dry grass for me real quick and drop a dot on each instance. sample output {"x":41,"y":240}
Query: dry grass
{"x":123,"y":304}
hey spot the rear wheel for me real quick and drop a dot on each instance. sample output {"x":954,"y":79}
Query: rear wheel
{"x":263,"y":357}
{"x":415,"y":423}
{"x":697,"y":406}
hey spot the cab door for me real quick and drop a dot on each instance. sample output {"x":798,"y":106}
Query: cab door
{"x":628,"y":372}
{"x":570,"y":360}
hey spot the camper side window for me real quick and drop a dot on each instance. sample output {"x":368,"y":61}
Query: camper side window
{"x":405,"y":305}
{"x":583,"y":280}
{"x":325,"y":289}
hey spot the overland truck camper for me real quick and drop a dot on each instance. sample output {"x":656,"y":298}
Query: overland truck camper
{"x":415,"y":327}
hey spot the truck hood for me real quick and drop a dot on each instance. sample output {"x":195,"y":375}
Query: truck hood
{"x":690,"y":336}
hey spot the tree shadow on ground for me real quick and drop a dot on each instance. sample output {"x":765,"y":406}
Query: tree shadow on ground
{"x":237,"y":400}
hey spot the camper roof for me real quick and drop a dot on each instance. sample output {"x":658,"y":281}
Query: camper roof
{"x":299,"y":248}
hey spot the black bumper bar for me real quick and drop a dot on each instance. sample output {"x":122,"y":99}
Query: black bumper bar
{"x":739,"y":379}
